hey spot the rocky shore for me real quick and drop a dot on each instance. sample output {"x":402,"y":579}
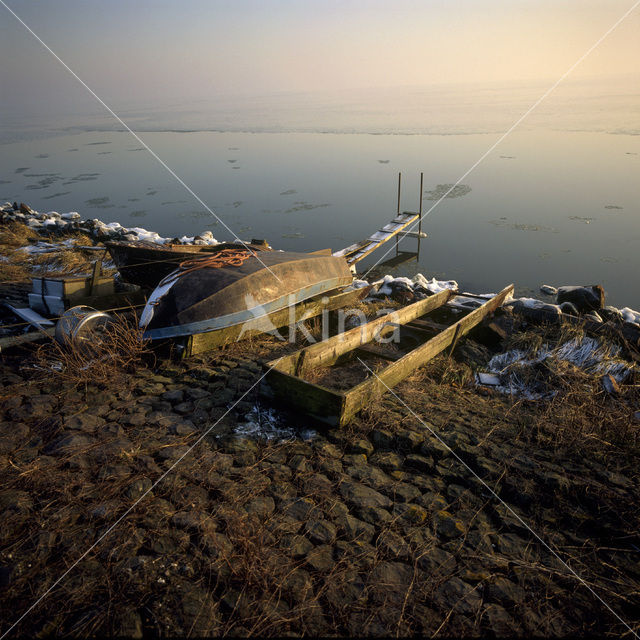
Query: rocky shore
{"x":164,"y":501}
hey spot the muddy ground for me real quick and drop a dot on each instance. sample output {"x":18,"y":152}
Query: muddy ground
{"x":378,"y":529}
{"x":445,"y":509}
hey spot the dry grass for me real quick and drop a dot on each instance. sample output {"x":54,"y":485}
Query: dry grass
{"x":236,"y":575}
{"x":110,"y":355}
{"x":579,"y":412}
{"x":20,"y":266}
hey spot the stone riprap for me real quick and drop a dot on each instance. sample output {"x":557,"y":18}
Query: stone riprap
{"x":375,"y":530}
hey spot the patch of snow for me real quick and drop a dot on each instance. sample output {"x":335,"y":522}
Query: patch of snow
{"x":548,"y":289}
{"x":472,"y":303}
{"x":630,"y":315}
{"x":586,"y":353}
{"x":266,"y":424}
{"x":433,"y":285}
{"x":47,"y":247}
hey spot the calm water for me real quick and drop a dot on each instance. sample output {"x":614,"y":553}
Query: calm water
{"x":546,"y":207}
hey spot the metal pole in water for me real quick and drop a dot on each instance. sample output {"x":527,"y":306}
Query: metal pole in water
{"x":420,"y":214}
{"x":398,"y":211}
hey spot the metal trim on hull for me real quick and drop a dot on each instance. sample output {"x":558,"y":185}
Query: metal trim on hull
{"x":246,"y":315}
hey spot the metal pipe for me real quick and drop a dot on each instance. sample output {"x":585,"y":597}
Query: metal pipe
{"x":420,"y":214}
{"x":398,"y":211}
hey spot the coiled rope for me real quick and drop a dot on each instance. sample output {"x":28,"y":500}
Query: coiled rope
{"x":223,"y":258}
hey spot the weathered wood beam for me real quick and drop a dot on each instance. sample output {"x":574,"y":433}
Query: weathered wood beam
{"x":371,"y":389}
{"x":202,"y":342}
{"x":327,"y":352}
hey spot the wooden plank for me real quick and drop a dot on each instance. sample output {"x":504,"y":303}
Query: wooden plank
{"x":371,"y":389}
{"x":412,"y":234}
{"x":322,"y":403}
{"x":427,"y":325}
{"x":74,"y":286}
{"x":360,"y":250}
{"x":380,"y":352}
{"x":327,"y":352}
{"x":313,"y":400}
{"x":30,"y":316}
{"x":25,"y":338}
{"x":202,"y":342}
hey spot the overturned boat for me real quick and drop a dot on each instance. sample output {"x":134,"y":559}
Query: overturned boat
{"x":238,"y":287}
{"x":145,"y":263}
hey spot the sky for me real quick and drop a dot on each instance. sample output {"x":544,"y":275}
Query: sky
{"x":427,"y":67}
{"x":151,"y":51}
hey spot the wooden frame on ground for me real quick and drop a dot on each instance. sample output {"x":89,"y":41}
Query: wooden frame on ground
{"x":285,"y":381}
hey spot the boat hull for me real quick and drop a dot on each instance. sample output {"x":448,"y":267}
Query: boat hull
{"x":147,"y":263}
{"x":211,"y":299}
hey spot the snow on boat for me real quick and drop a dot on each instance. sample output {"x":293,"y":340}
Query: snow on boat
{"x":237,"y":286}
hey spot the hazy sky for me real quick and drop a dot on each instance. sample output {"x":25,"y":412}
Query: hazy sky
{"x":147,"y":51}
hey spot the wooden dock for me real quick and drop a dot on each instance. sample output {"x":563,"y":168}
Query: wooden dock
{"x":396,"y":228}
{"x":356,"y":252}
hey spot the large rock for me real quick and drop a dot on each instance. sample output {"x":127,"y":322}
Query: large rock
{"x":446,"y":525}
{"x":69,"y":443}
{"x":298,"y":585}
{"x":85,"y":422}
{"x":356,"y":529}
{"x":321,"y":558}
{"x":321,"y":531}
{"x":390,"y":581}
{"x":262,"y":506}
{"x":393,"y":545}
{"x":458,"y":595}
{"x":361,"y":496}
{"x":584,"y":299}
{"x":436,"y":560}
{"x":296,"y":545}
{"x":299,"y":508}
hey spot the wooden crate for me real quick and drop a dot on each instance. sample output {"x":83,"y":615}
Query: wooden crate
{"x":73,"y":287}
{"x":285,"y":382}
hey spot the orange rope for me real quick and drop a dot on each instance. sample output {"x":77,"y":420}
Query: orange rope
{"x":223,"y":258}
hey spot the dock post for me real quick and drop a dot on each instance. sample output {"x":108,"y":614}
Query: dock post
{"x":420,"y":214}
{"x":398,"y":210}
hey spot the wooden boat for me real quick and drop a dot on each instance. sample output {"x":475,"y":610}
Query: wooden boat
{"x":239,"y":288}
{"x":146,"y":263}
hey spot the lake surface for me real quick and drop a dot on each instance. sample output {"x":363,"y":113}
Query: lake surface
{"x":546,"y":207}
